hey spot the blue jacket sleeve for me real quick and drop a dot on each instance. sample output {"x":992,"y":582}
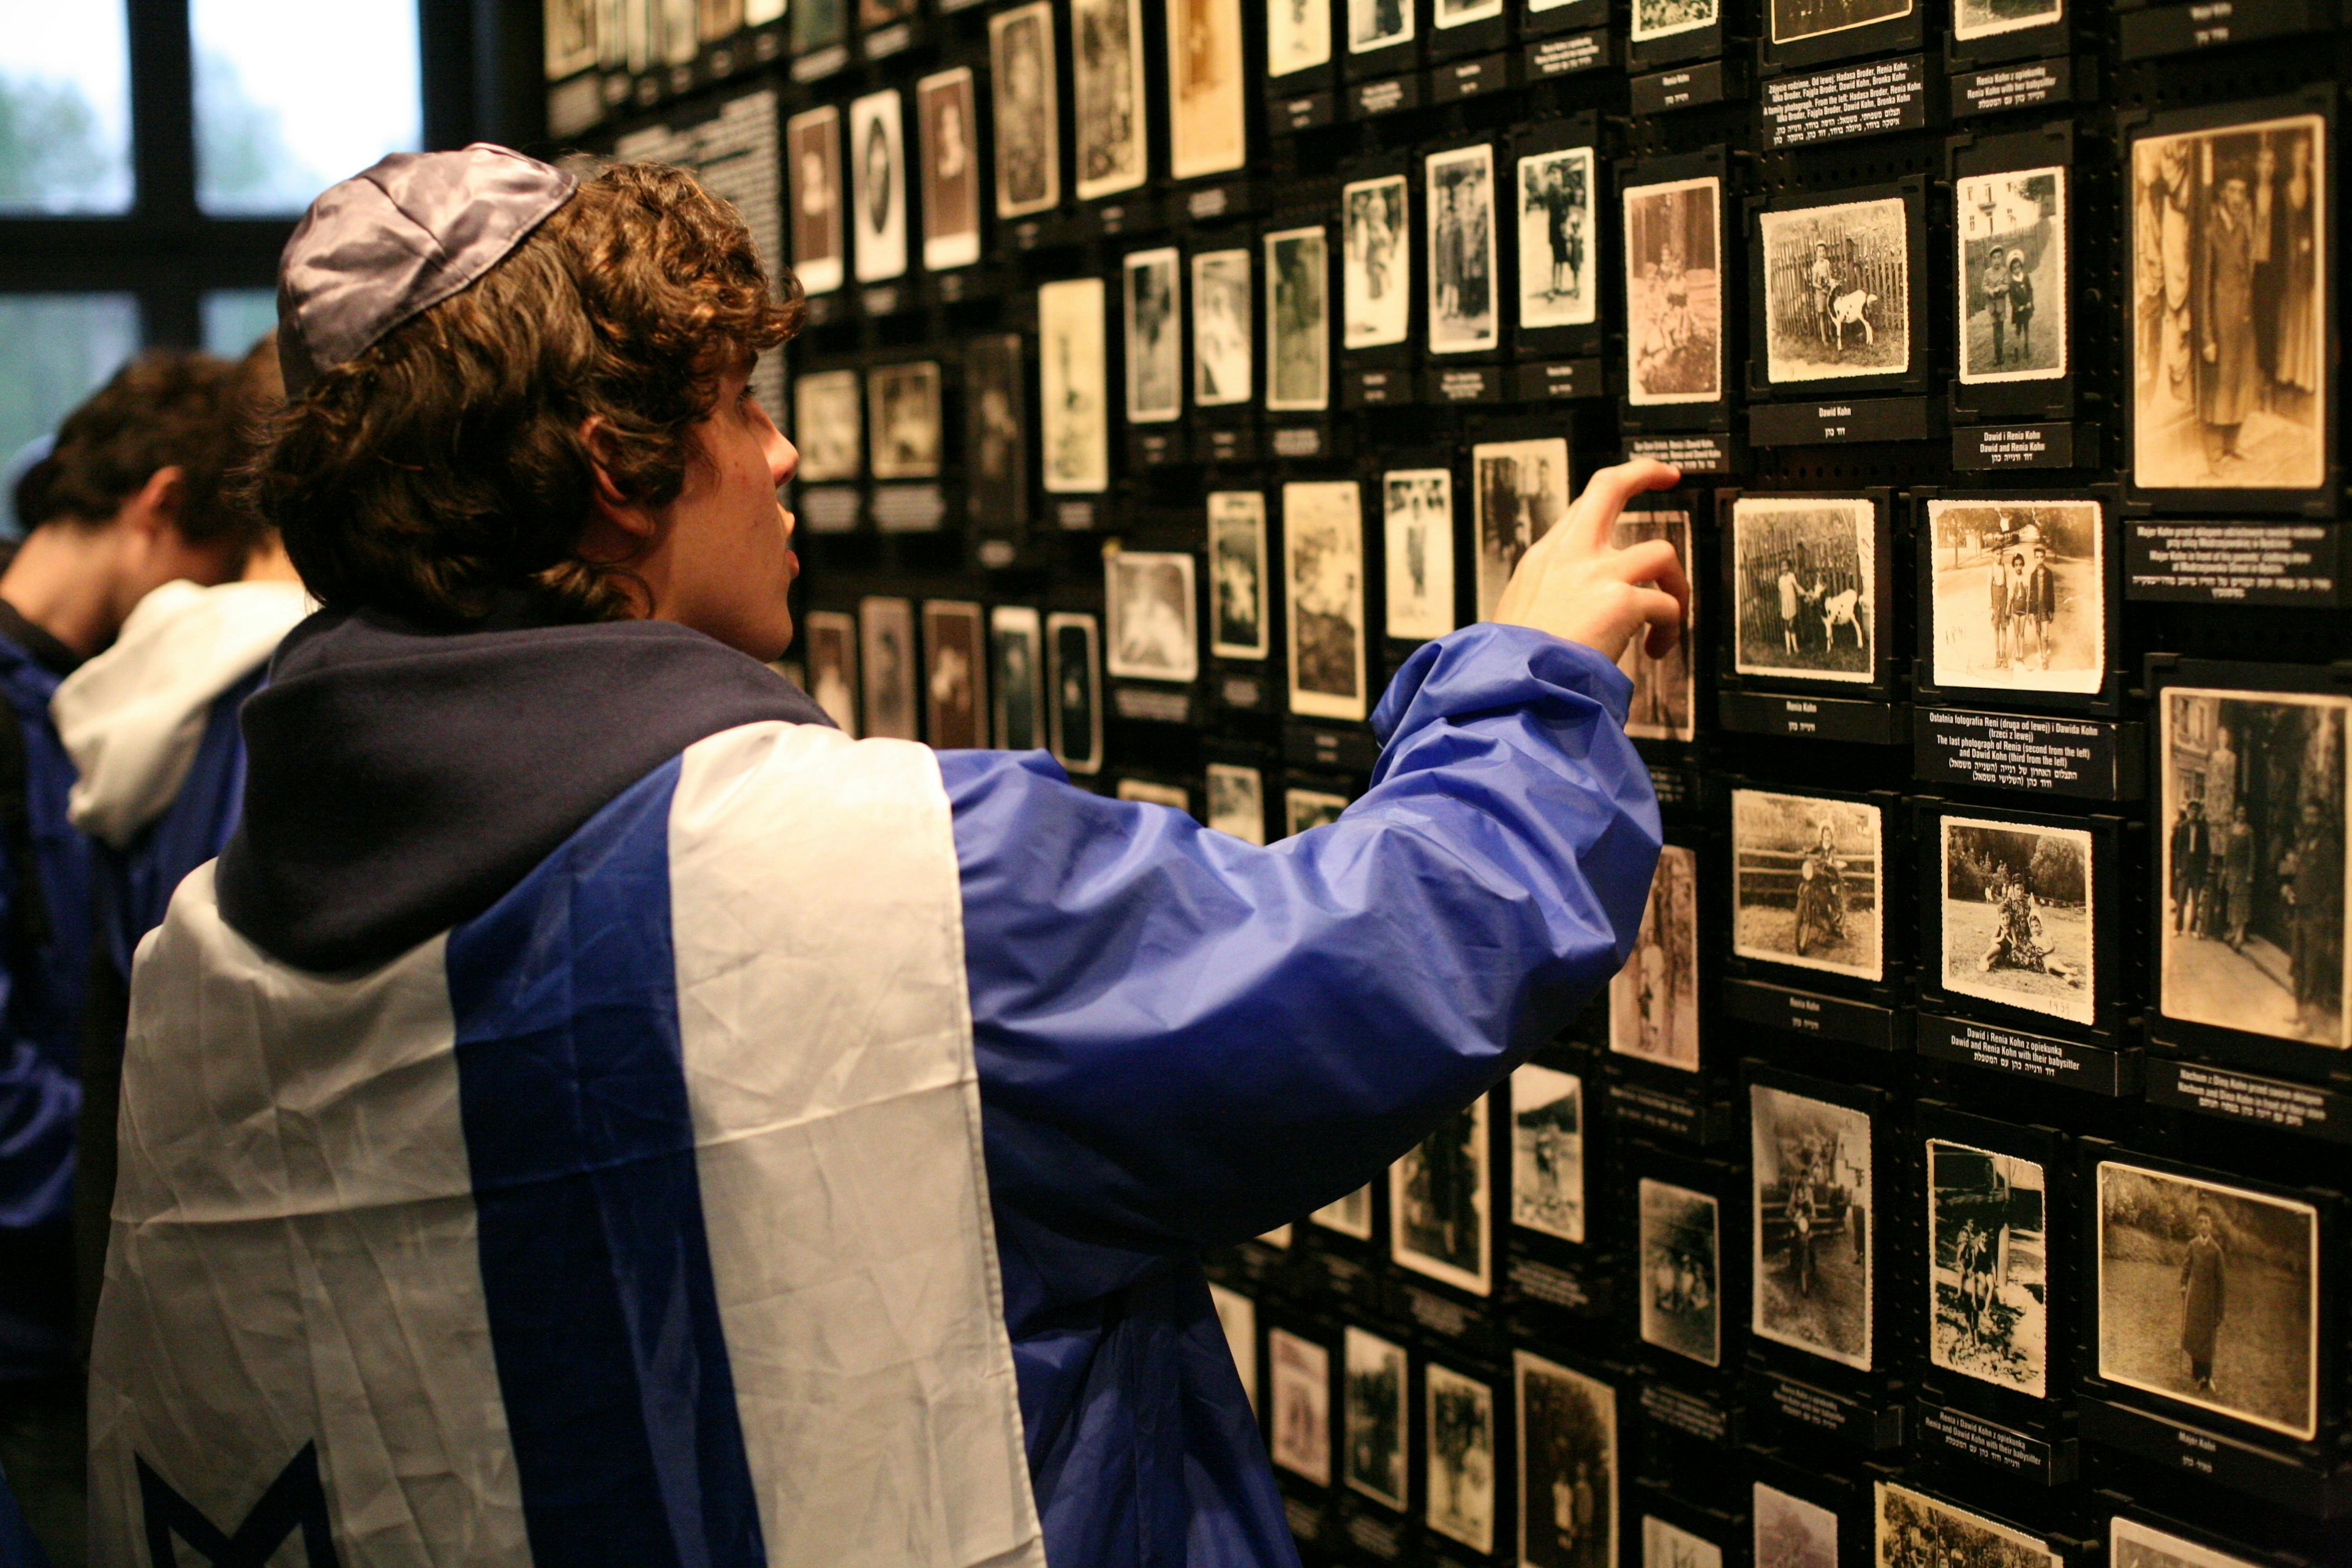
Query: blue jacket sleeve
{"x":1184,"y":1039}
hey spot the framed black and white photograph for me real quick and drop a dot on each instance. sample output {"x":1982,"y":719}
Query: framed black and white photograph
{"x":2132,"y":1544}
{"x":1073,"y":386}
{"x":1175,"y":797}
{"x":829,"y":426}
{"x":1304,"y":810}
{"x":1988,"y":1266}
{"x":2013,"y":277}
{"x":1567,"y":1466}
{"x":1298,"y":36}
{"x":1681,"y":1270}
{"x":955,"y":675}
{"x":886,"y":637}
{"x":1373,"y":1426}
{"x":1108,"y":93}
{"x":1548,"y":1151}
{"x":1519,"y":490}
{"x":1674,"y":292}
{"x":1025,"y":92}
{"x":1653,"y":999}
{"x":1461,"y":1458}
{"x":2232,"y":313}
{"x":1417,"y":533}
{"x":1073,"y":670}
{"x":1237,"y":1316}
{"x":2250,"y":913}
{"x":1835,"y":290}
{"x":1669,"y":1545}
{"x":569,"y":30}
{"x":877,"y":186}
{"x":1914,"y":1528}
{"x":903,"y":408}
{"x":1559,"y":257}
{"x":996,"y":436}
{"x":813,"y":175}
{"x":1974,"y":19}
{"x":1149,"y":597}
{"x":1297,"y":321}
{"x":1237,"y":801}
{"x":1016,"y":650}
{"x":1792,"y":1532}
{"x":948,"y":116}
{"x":1806,"y":881}
{"x":1237,"y":607}
{"x":1379,"y":25}
{"x":1464,"y":315}
{"x":1655,"y":19}
{"x":1223,"y":329}
{"x":1805,"y":589}
{"x":1208,"y":102}
{"x":2209,"y":1295}
{"x":833,"y":667}
{"x":2017,"y":597}
{"x":1376,"y":263}
{"x":2017,"y":921}
{"x":1299,"y":1425}
{"x":1153,"y":311}
{"x":1665,"y":705}
{"x":1797,"y":21}
{"x":1323,"y":597}
{"x":1440,"y":1197}
{"x":1811,"y":1227}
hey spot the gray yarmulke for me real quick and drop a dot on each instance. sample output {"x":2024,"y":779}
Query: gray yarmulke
{"x":398,"y":239}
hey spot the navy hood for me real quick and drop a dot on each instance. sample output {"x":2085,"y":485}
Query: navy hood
{"x":399,"y":780}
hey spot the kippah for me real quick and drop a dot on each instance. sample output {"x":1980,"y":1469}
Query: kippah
{"x":398,"y":239}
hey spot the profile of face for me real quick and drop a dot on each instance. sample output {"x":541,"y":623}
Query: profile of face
{"x":877,"y":177}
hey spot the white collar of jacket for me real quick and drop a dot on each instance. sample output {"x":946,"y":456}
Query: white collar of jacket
{"x":134,"y":717}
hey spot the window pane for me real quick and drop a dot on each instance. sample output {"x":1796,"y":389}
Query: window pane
{"x":293,"y":95}
{"x":235,"y":320}
{"x":65,"y":115}
{"x":54,"y":349}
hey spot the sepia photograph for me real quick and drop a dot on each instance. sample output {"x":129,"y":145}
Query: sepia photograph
{"x":1299,"y":1436}
{"x":1208,"y":104}
{"x":1074,"y":675}
{"x":886,"y":635}
{"x":2132,"y":1544}
{"x":813,"y":160}
{"x":1805,"y":886}
{"x":1174,"y":798}
{"x":1682,"y":1297}
{"x":1323,"y":599}
{"x":1417,"y":534}
{"x":2252,"y":890}
{"x":1237,"y":802}
{"x":1985,"y":19}
{"x":1297,"y":321}
{"x":1653,"y":1000}
{"x":1655,"y":19}
{"x":1027,"y":96}
{"x":1666,"y":1545}
{"x":1790,"y":1533}
{"x":873,"y":14}
{"x":955,"y":671}
{"x":2020,"y":601}
{"x":570,"y":32}
{"x":1665,"y":705}
{"x":1108,"y":94}
{"x":1464,"y":313}
{"x":1988,"y":1266}
{"x":1567,"y":1467}
{"x":2230,"y":355}
{"x":947,"y":115}
{"x":1805,"y":588}
{"x":1073,"y":386}
{"x":1519,"y":490}
{"x":1915,"y":1530}
{"x":1811,"y":1258}
{"x":1372,"y":1419}
{"x":1223,"y":329}
{"x":877,"y":186}
{"x":1674,"y":292}
{"x":1440,"y":1195}
{"x":829,"y":426}
{"x":1017,"y":641}
{"x":903,"y":412}
{"x":1459,"y":1458}
{"x":1148,"y":597}
{"x":1153,"y":311}
{"x":1548,"y":1151}
{"x":1375,"y":263}
{"x":1304,"y":810}
{"x":1237,"y":612}
{"x":1837,"y":291}
{"x":1379,"y":23}
{"x":1298,"y":36}
{"x":1796,"y":20}
{"x":2209,"y":1295}
{"x":996,"y":442}
{"x":2018,"y":922}
{"x":1237,"y":1316}
{"x":2013,"y":286}
{"x":1560,"y":264}
{"x":819,"y":25}
{"x":1462,"y":13}
{"x":833,"y":667}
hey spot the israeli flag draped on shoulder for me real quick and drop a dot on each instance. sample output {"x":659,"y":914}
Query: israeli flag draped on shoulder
{"x":638,"y":1220}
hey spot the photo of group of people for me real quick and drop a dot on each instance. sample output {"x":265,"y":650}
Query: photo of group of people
{"x":1915,"y":1530}
{"x":2012,"y":283}
{"x":2018,"y":921}
{"x":1805,"y":570}
{"x":2019,"y":602}
{"x":1988,"y":1266}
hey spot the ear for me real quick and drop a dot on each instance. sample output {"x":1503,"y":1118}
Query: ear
{"x":610,"y":510}
{"x":157,"y":504}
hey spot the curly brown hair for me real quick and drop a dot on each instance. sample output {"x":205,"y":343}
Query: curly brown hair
{"x":445,"y":465}
{"x":168,"y":408}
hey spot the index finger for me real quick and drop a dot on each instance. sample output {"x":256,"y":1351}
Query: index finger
{"x":1653,"y":561}
{"x":1606,"y":493}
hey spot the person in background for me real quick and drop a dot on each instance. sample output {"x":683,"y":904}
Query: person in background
{"x":2192,"y":846}
{"x":2237,"y":878}
{"x":151,"y":725}
{"x":127,"y":500}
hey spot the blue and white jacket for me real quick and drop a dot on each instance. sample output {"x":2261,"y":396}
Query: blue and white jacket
{"x":594,"y":1112}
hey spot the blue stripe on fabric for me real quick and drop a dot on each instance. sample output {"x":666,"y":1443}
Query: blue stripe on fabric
{"x":595,"y":1266}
